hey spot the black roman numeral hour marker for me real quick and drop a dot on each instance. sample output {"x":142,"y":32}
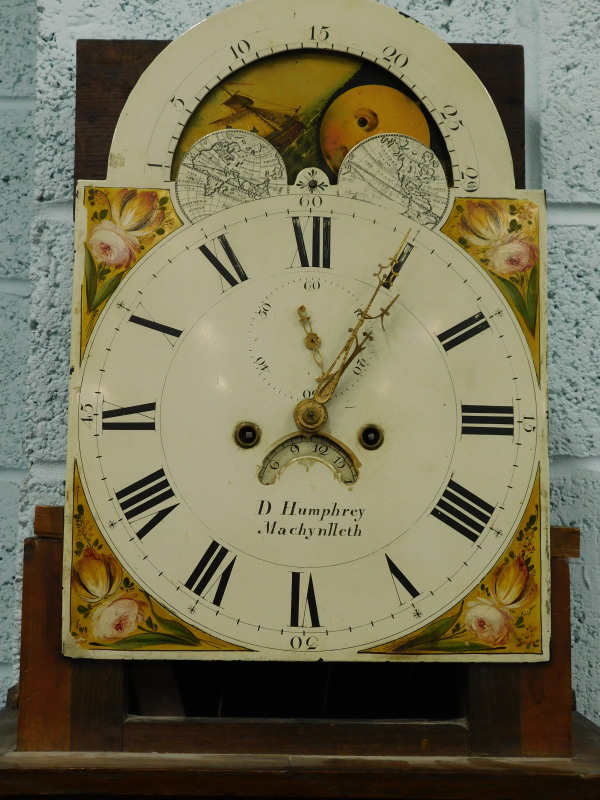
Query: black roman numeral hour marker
{"x":209,"y":571}
{"x":397,"y":573}
{"x":223,"y":271}
{"x":155,"y":326}
{"x":451,"y":508}
{"x":127,"y":418}
{"x":320,"y":252}
{"x":146,"y":495}
{"x":466,"y":329}
{"x":488,"y":420}
{"x":301,"y":604}
{"x":397,"y":265}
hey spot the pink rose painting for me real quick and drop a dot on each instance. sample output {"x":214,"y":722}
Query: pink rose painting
{"x":125,"y":223}
{"x":502,"y":236}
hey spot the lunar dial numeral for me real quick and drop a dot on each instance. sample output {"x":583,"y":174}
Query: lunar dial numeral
{"x":397,"y":573}
{"x":488,"y":420}
{"x":303,"y":603}
{"x":220,"y":267}
{"x":211,"y":570}
{"x":155,"y":326}
{"x":145,"y":495}
{"x":451,"y":508}
{"x":321,"y":242}
{"x":113,"y":419}
{"x":463,"y":331}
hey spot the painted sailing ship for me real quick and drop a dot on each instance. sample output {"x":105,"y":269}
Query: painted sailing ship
{"x":277,"y":127}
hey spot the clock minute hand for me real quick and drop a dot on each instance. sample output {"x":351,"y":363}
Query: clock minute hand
{"x":353,"y":347}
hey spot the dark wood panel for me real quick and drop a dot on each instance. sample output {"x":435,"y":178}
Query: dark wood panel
{"x":45,"y":683}
{"x":546,"y":697}
{"x":374,"y":738}
{"x":107,"y":71}
{"x":145,"y":775}
{"x":494,"y":710}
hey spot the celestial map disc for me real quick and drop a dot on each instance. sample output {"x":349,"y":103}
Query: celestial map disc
{"x":225,"y":168}
{"x":397,"y":170}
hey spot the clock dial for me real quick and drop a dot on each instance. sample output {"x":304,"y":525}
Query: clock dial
{"x":314,"y":81}
{"x":321,"y":544}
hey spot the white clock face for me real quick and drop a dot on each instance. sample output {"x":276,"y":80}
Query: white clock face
{"x":315,"y":545}
{"x":282,"y":69}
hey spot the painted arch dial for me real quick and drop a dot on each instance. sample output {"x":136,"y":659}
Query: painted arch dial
{"x":314,"y":79}
{"x":310,"y":544}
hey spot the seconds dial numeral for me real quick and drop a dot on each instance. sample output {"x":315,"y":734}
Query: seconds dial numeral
{"x":320,"y":251}
{"x":451,"y":508}
{"x":146,"y":495}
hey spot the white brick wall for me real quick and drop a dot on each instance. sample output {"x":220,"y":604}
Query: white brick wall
{"x":563,"y":109}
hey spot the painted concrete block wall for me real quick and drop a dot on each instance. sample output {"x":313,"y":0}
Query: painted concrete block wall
{"x":563,"y":102}
{"x":17,"y":154}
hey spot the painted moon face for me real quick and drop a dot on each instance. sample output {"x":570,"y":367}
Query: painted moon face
{"x":364,"y":111}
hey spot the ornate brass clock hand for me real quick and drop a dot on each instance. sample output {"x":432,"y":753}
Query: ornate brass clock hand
{"x":353,"y":346}
{"x":311,"y":414}
{"x":312,"y":340}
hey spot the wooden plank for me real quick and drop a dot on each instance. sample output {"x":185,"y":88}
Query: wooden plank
{"x":494,"y":712}
{"x":145,"y":775}
{"x":565,"y":542}
{"x":45,"y":684}
{"x":306,"y":737}
{"x":49,"y":521}
{"x":106,"y":73}
{"x":546,"y":697}
{"x":98,"y":705}
{"x":501,"y":68}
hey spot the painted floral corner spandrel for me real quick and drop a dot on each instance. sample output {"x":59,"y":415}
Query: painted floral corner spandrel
{"x":108,"y":609}
{"x":121,"y":226}
{"x":502,"y":235}
{"x":502,"y":614}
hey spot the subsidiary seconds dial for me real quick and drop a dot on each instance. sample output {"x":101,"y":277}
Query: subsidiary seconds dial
{"x":331,"y":300}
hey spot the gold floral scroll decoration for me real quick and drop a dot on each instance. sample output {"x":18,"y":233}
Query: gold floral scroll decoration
{"x":502,"y":235}
{"x":122,"y":225}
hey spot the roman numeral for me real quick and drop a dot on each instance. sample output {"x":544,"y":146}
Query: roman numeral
{"x":223,"y":271}
{"x":146,"y":495}
{"x":303,"y":603}
{"x":113,"y":419}
{"x":488,"y":420}
{"x":320,"y":251}
{"x":155,"y":326}
{"x":466,"y":329}
{"x":397,"y":265}
{"x":210,"y":571}
{"x":397,"y":573}
{"x":453,"y":504}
